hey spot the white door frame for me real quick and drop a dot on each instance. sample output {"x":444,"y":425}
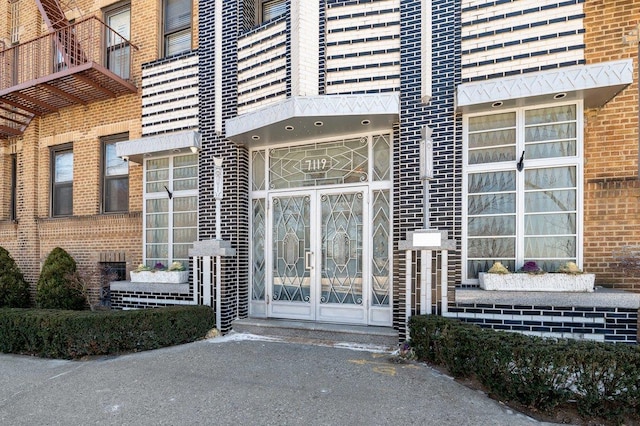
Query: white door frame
{"x":314,"y":309}
{"x":302,"y":310}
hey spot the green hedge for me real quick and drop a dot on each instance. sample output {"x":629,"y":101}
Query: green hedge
{"x":74,"y":334}
{"x":602,"y":379}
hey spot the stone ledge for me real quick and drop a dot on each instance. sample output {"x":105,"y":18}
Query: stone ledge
{"x":552,"y":282}
{"x":601,"y":297}
{"x":156,"y":288}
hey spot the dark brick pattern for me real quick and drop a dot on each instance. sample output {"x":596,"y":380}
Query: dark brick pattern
{"x":444,"y":189}
{"x":235,"y":208}
{"x":266,"y":46}
{"x":123,"y":299}
{"x":617,"y":325}
{"x":380,"y":70}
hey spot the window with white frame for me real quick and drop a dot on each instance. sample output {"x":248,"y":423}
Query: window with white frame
{"x":176,"y":26}
{"x":522,"y":188}
{"x":62,"y":180}
{"x":170,"y":208}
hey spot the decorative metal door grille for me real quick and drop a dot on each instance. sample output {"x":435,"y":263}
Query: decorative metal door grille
{"x":381,"y":220}
{"x":258,"y":258}
{"x":342,"y":233}
{"x":321,"y":243}
{"x":291,"y":243}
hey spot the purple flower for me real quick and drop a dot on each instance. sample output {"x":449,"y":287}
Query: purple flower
{"x":530,"y":267}
{"x":158,"y":266}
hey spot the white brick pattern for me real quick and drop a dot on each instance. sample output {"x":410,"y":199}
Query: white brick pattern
{"x":363,"y":52}
{"x":170,"y":96}
{"x":516,"y":36}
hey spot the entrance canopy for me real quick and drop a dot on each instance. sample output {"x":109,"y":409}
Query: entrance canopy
{"x":314,"y":117}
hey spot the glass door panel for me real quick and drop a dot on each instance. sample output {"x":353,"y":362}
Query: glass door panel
{"x":319,"y":231}
{"x":341,"y":248}
{"x":343,"y":287}
{"x":291,"y":291}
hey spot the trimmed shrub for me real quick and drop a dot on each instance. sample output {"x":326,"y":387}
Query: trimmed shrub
{"x":14,"y":290}
{"x":55,"y":288}
{"x":602,"y":380}
{"x":75,"y":334}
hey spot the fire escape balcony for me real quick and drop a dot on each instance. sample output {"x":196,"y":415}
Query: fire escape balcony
{"x":79,"y":64}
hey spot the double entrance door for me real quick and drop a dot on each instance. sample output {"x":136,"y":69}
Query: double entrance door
{"x":318,"y":269}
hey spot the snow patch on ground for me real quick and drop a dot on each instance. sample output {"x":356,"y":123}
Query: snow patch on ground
{"x":239,"y":337}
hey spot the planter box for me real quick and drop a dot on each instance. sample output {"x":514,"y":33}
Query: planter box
{"x":171,"y":277}
{"x":579,"y":283}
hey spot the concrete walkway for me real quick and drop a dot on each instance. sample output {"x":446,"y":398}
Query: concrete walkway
{"x":241,"y":379}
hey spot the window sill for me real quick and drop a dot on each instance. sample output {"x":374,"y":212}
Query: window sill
{"x":155,"y":288}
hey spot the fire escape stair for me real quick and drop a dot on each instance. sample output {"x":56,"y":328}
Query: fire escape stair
{"x":76,"y":76}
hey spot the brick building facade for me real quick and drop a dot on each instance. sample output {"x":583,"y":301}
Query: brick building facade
{"x":612,"y":185}
{"x":344,"y":126}
{"x":95,"y":229}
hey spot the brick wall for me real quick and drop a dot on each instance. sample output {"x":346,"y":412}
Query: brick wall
{"x":362,"y":46}
{"x":614,"y":325}
{"x":612,"y":189}
{"x":87,"y":233}
{"x":444,"y":192}
{"x":234,"y":217}
{"x":170,"y":94}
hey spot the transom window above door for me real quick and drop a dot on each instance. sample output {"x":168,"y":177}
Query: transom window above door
{"x":329,"y":163}
{"x":522,"y":188}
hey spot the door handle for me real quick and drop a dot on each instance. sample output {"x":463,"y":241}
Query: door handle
{"x":308,"y":259}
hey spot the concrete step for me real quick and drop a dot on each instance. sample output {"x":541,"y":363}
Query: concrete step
{"x":385,"y":337}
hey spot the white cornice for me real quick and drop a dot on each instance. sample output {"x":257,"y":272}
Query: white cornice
{"x":596,"y":84}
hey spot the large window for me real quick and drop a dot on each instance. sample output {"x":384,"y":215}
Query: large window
{"x":170,"y":208}
{"x":177,"y":26}
{"x":115,"y":175}
{"x":62,"y":181}
{"x":118,"y":47}
{"x":522,"y":188}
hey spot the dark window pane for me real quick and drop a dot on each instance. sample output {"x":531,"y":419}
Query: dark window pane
{"x":177,"y":26}
{"x":116,"y":197}
{"x":178,"y":42}
{"x":14,"y":187}
{"x":62,"y":185}
{"x":177,"y":14}
{"x":63,"y":199}
{"x":114,"y":165}
{"x":115,"y":186}
{"x":118,"y":50}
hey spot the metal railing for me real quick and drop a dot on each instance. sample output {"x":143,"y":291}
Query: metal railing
{"x":87,"y":41}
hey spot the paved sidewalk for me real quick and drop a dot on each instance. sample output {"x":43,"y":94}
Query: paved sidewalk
{"x":240,"y":380}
